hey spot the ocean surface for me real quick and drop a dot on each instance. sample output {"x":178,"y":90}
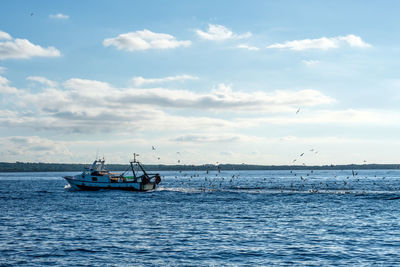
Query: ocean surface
{"x":227,"y":218}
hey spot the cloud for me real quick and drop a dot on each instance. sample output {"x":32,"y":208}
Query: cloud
{"x":218,"y":120}
{"x":207,"y":138}
{"x":248,"y":47}
{"x":310,"y":62}
{"x":350,"y":117}
{"x":223,"y":98}
{"x":22,"y":48}
{"x":93,"y":106}
{"x":88,"y":87}
{"x":139,"y":81}
{"x":42,"y":80}
{"x":144,"y":40}
{"x":31,"y":147}
{"x":5,"y":87}
{"x":220,"y":33}
{"x":220,"y":98}
{"x":4,"y":36}
{"x":88,"y":106}
{"x":353,"y":41}
{"x":323,"y":43}
{"x":58,"y":16}
{"x":89,"y":120}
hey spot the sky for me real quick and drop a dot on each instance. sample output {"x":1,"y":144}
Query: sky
{"x":200,"y":82}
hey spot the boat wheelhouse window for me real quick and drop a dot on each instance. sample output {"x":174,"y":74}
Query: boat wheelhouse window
{"x":94,"y":178}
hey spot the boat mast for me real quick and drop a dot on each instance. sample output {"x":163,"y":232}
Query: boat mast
{"x":140,"y":165}
{"x":134,"y":161}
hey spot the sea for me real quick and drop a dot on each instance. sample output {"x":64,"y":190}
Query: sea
{"x":195,"y":218}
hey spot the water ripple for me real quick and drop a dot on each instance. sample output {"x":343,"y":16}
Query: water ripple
{"x":258,"y":218}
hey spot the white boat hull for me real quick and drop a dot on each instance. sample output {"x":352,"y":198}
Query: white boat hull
{"x":91,"y":185}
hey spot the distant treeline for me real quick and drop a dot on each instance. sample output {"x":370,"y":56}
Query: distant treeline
{"x":64,"y":167}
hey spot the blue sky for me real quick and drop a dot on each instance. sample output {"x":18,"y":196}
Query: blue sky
{"x":257,"y":82}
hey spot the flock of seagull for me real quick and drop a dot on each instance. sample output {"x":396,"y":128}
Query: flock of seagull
{"x":294,"y":181}
{"x":310,"y":181}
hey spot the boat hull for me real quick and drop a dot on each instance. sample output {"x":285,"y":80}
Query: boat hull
{"x":93,"y":186}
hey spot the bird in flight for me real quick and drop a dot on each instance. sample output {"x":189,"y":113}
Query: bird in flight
{"x":298,"y":111}
{"x":153,"y":148}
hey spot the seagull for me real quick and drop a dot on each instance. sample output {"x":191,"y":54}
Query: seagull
{"x":301,"y":154}
{"x":153,"y":148}
{"x":297,"y":112}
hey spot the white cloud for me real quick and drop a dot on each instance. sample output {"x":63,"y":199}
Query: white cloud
{"x":248,"y":47}
{"x":89,"y":88}
{"x":331,"y":117}
{"x":5,"y":87}
{"x":42,"y":80}
{"x":207,"y":138}
{"x":353,"y":40}
{"x":4,"y":36}
{"x":220,"y":33}
{"x":143,"y":40}
{"x":34,"y":148}
{"x":93,"y":106}
{"x":58,"y":16}
{"x":310,"y":62}
{"x":22,"y":48}
{"x":139,"y":81}
{"x":223,"y":98}
{"x":323,"y":43}
{"x":179,"y":119}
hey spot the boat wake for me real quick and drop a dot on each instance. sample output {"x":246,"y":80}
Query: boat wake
{"x":267,"y":190}
{"x":180,"y":189}
{"x":68,"y":187}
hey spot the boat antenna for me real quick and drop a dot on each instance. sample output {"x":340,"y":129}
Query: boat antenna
{"x":134,"y":161}
{"x":134,"y":157}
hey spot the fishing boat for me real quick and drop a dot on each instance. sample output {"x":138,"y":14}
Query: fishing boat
{"x":98,"y":177}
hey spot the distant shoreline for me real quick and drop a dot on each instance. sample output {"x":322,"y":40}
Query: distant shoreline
{"x":64,"y":167}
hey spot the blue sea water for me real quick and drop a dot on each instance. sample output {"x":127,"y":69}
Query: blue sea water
{"x":229,"y":218}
